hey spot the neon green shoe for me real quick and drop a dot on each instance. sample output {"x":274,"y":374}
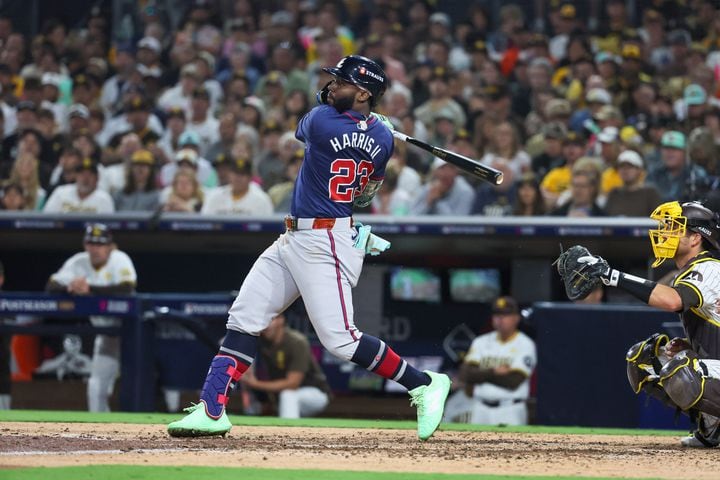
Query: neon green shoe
{"x":198,"y":424}
{"x":430,"y":402}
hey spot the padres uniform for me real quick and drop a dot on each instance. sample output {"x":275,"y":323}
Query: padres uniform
{"x":64,"y":199}
{"x":105,"y":368}
{"x":492,"y":404}
{"x":221,"y":201}
{"x":699,"y":286}
{"x":293,"y":355}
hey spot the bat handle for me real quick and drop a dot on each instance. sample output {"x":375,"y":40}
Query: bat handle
{"x":399,"y":135}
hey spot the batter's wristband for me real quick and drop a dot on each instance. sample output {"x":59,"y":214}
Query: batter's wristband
{"x":637,"y":287}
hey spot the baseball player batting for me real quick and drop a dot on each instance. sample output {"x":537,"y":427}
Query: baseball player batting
{"x":683,"y":373}
{"x":320,"y":256}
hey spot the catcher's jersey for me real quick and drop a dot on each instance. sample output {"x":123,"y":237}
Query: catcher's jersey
{"x":342,"y":152}
{"x":518,"y":353}
{"x":699,"y":281}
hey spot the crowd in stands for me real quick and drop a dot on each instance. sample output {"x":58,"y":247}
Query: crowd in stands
{"x":587,"y":113}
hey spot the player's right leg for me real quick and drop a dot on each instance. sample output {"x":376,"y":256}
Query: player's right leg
{"x":267,"y":290}
{"x":327,"y":295}
{"x":104,"y":370}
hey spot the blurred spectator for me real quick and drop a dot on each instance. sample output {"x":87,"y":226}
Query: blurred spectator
{"x":136,"y":118}
{"x":227,"y":129}
{"x":112,"y":89}
{"x":440,"y":100}
{"x":609,"y":144}
{"x":81,"y":196}
{"x":223,"y":165}
{"x":139,"y":193}
{"x":180,"y":95}
{"x":281,"y":193}
{"x":445,"y":192}
{"x":584,"y":190}
{"x":557,"y":180}
{"x":184,"y":194}
{"x":66,"y":170}
{"x":189,"y":151}
{"x":634,"y":198}
{"x":703,"y":151}
{"x":201,"y":121}
{"x":169,"y":142}
{"x":25,"y":174}
{"x":553,"y":134}
{"x":505,"y":151}
{"x":528,"y":197}
{"x":13,"y":197}
{"x":241,"y":196}
{"x":269,"y":164}
{"x":675,"y":178}
{"x":392,"y":200}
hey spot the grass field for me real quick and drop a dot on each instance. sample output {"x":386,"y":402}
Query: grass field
{"x":52,"y":445}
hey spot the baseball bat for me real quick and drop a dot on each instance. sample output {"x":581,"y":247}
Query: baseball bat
{"x":464,"y":163}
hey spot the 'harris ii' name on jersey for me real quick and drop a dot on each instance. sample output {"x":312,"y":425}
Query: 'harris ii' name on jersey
{"x":343,"y":151}
{"x":356,"y":140}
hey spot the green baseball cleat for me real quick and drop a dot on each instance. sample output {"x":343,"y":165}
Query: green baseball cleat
{"x":198,"y":424}
{"x":430,"y":402}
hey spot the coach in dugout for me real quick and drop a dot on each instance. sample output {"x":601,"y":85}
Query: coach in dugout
{"x":497,"y":369}
{"x":294,"y":376}
{"x":101,"y":269}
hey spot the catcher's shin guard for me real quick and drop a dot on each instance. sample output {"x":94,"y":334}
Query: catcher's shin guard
{"x":224,"y":372}
{"x":644,"y":366}
{"x":685,"y":379}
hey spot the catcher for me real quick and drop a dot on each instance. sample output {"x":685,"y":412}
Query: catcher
{"x":683,"y":373}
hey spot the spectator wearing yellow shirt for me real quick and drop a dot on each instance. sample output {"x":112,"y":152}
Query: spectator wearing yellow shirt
{"x":558,"y":179}
{"x":609,"y":149}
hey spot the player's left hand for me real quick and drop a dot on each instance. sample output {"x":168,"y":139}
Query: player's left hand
{"x":581,"y":271}
{"x":501,"y":370}
{"x":384,"y":120}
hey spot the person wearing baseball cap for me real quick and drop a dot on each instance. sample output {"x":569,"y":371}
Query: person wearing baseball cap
{"x":189,"y":141}
{"x":673,"y":175}
{"x":104,"y":270}
{"x":696,"y":104}
{"x":499,"y":389}
{"x":241,"y":196}
{"x":634,"y":198}
{"x":83,"y":195}
{"x":140,"y":193}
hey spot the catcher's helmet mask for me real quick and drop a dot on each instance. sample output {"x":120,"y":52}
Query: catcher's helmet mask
{"x":673,"y":222}
{"x":363,"y":73}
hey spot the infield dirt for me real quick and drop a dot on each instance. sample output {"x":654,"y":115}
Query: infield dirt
{"x":72,"y":444}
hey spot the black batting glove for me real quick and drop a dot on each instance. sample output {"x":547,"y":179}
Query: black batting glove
{"x":322,"y":95}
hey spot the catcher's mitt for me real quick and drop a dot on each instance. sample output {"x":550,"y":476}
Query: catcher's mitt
{"x":581,"y":271}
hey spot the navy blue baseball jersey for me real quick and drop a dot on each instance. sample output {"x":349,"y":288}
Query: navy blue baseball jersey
{"x":342,"y":152}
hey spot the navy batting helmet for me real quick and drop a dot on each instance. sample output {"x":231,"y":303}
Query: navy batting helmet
{"x":363,"y":72}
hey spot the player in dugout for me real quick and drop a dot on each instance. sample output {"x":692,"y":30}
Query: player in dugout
{"x":321,"y":254}
{"x":295,"y":380}
{"x":497,"y":369}
{"x":683,"y":373}
{"x":101,"y":269}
